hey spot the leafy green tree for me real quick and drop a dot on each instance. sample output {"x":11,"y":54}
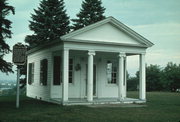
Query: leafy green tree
{"x":157,"y":79}
{"x":171,"y":77}
{"x":153,"y":74}
{"x":5,"y":32}
{"x":49,"y":22}
{"x":132,"y":83}
{"x":153,"y":78}
{"x":91,"y":12}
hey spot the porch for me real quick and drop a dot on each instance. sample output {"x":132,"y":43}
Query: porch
{"x":80,"y":101}
{"x":92,"y":83}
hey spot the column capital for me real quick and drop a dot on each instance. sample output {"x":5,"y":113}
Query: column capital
{"x":122,"y":54}
{"x":91,"y":52}
{"x":143,"y":53}
{"x":66,"y":49}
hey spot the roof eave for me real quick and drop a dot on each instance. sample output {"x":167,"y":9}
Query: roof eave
{"x":104,"y":43}
{"x":45,"y":45}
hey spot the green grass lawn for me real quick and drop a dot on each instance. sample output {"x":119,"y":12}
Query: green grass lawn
{"x":161,"y":107}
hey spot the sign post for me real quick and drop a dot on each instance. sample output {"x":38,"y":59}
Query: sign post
{"x":19,"y":58}
{"x":17,"y":84}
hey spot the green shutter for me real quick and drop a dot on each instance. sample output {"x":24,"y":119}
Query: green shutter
{"x":29,"y":73}
{"x":45,"y":63}
{"x":43,"y":71}
{"x":56,"y":70}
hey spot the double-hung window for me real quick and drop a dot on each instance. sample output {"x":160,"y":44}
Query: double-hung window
{"x":43,"y":71}
{"x":57,"y":68}
{"x":31,"y":73}
{"x":71,"y":69}
{"x":111,"y":69}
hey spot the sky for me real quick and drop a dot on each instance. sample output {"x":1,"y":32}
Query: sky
{"x":156,"y":20}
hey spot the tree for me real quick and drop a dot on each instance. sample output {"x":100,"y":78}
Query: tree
{"x":153,"y":78}
{"x":91,"y":12}
{"x":132,"y":83}
{"x":153,"y":74}
{"x":5,"y":32}
{"x":49,"y":22}
{"x":166,"y":79}
{"x":171,"y":77}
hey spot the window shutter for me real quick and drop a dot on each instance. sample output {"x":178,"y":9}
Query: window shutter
{"x":43,"y":71}
{"x":56,"y":70}
{"x":29,"y":73}
{"x":45,"y":62}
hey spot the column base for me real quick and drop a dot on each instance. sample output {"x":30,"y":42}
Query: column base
{"x":121,"y":99}
{"x":142,"y":99}
{"x":89,"y":100}
{"x":65,"y":102}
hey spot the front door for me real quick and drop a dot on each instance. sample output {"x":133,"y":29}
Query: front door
{"x":94,"y":79}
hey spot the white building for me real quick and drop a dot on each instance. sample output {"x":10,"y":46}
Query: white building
{"x":87,"y":66}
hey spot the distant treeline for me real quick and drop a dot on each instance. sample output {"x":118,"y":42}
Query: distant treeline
{"x":157,"y":78}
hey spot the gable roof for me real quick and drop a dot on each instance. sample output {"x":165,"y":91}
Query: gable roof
{"x":115,"y":23}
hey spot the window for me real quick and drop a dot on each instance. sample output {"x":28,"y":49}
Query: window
{"x":57,"y":77}
{"x":71,"y":70}
{"x":43,"y":71}
{"x":31,"y":73}
{"x":111,"y":72}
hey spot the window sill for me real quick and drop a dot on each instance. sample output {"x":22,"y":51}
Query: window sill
{"x":71,"y":84}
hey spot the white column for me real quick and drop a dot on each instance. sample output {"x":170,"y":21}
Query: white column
{"x":142,"y":77}
{"x":65,"y":74}
{"x":121,"y":76}
{"x":125,"y":77}
{"x":90,"y":76}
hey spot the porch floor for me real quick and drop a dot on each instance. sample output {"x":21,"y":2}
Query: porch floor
{"x":83,"y":101}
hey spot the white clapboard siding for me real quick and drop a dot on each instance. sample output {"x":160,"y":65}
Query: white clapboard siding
{"x":36,"y":90}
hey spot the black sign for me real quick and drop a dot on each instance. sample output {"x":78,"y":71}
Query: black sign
{"x":19,"y":54}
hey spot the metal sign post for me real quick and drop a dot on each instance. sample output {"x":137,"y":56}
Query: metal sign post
{"x":19,"y":58}
{"x":17,"y":84}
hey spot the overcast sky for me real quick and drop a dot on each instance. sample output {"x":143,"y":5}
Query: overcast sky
{"x":156,"y":20}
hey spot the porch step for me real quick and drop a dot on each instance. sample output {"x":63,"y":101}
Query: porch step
{"x":102,"y":102}
{"x":97,"y":101}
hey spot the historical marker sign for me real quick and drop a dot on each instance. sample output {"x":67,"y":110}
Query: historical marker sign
{"x":19,"y":54}
{"x":19,"y":58}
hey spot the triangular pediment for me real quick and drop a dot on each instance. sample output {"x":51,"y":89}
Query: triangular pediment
{"x":108,"y":31}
